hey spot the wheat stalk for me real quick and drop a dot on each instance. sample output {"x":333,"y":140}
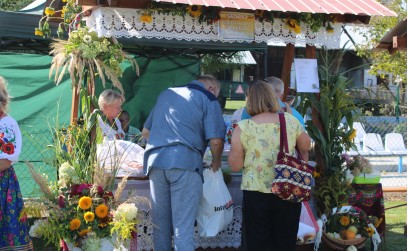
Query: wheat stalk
{"x":40,"y":180}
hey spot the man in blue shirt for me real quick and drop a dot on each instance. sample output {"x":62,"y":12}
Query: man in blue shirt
{"x":178,"y":129}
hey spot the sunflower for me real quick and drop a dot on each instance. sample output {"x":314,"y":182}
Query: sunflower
{"x":329,"y":28}
{"x":85,"y":202}
{"x":101,"y":211}
{"x":352,"y":135}
{"x":84,"y":232}
{"x":194,"y":10}
{"x":344,"y":221}
{"x":89,"y":216}
{"x":74,"y":224}
{"x":38,"y":32}
{"x":370,"y":231}
{"x":49,"y":11}
{"x":146,"y":18}
{"x":293,"y":25}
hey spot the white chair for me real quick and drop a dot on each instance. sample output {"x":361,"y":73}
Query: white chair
{"x":394,"y":142}
{"x":372,"y":144}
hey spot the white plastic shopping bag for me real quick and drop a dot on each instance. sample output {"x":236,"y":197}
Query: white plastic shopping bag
{"x":216,"y":207}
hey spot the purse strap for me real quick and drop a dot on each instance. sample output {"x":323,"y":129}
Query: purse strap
{"x":284,"y":137}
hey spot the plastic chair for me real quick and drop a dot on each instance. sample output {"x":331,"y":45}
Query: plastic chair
{"x":372,"y":144}
{"x":394,"y":142}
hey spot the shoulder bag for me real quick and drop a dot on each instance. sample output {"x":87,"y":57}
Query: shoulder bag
{"x":293,"y":176}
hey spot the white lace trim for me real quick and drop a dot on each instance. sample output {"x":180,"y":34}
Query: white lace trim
{"x":121,"y":22}
{"x":230,"y":237}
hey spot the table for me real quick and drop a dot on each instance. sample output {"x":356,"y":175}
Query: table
{"x":228,"y":238}
{"x":369,"y":197}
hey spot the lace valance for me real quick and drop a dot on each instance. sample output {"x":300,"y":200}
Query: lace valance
{"x":120,"y":22}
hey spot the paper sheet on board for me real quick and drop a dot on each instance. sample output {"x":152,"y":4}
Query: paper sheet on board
{"x":307,"y":77}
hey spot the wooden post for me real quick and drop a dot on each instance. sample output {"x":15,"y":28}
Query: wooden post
{"x":287,"y":66}
{"x":311,"y":53}
{"x":74,"y":105}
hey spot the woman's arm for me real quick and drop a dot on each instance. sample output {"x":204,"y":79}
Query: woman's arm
{"x":4,"y":164}
{"x":303,"y":143}
{"x":236,"y":155}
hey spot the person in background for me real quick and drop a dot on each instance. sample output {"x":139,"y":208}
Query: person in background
{"x":278,"y":87}
{"x":110,"y":105}
{"x":178,"y":129}
{"x":131,"y":133}
{"x":270,"y":223}
{"x":14,"y":229}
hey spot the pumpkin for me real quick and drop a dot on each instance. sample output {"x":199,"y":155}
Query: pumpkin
{"x":347,"y":234}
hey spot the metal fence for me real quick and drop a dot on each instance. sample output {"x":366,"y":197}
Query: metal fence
{"x":36,"y":149}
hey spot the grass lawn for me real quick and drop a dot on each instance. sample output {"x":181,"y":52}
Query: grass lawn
{"x":232,"y":105}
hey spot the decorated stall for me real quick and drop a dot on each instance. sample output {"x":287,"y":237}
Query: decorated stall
{"x":216,"y":25}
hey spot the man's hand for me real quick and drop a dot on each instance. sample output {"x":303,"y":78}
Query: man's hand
{"x":216,"y":147}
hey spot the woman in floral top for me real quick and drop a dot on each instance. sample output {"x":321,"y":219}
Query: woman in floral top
{"x":13,"y":227}
{"x":270,"y":223}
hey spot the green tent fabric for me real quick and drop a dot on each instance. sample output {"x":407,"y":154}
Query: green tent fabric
{"x":38,"y":103}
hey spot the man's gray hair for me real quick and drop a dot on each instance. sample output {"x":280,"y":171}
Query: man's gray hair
{"x":209,"y":79}
{"x":276,"y":82}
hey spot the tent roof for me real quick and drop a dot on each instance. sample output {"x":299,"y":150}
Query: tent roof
{"x":395,"y":39}
{"x":355,"y":7}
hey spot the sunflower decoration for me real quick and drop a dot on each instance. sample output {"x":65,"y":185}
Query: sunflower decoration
{"x":146,"y":18}
{"x":194,"y":10}
{"x":85,"y":202}
{"x":293,"y":25}
{"x":329,"y":28}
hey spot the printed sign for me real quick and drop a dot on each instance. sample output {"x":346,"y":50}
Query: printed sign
{"x":236,"y":26}
{"x":307,"y":77}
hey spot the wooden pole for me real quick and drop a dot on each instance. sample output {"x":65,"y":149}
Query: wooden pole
{"x":74,"y":105}
{"x":287,"y":66}
{"x":311,"y":53}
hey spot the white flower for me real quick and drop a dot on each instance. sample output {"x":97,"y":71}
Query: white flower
{"x":35,"y":230}
{"x":67,"y":175}
{"x":87,"y":39}
{"x":126,"y":211}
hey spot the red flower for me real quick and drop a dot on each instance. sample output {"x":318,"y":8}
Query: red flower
{"x":61,"y":201}
{"x":8,"y":148}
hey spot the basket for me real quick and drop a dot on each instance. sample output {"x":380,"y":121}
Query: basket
{"x":338,"y":244}
{"x":366,"y":180}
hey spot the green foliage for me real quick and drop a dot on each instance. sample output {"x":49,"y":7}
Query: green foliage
{"x":214,"y":63}
{"x":383,"y":60}
{"x":13,"y":5}
{"x":335,"y":104}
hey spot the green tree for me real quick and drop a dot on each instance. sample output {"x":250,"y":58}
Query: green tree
{"x":381,"y":60}
{"x":13,"y":5}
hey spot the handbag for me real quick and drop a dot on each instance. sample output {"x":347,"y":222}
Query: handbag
{"x":293,"y":176}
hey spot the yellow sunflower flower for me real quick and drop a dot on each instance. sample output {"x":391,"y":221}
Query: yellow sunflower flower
{"x":316,"y":174}
{"x":38,"y":32}
{"x":293,"y":25}
{"x":352,"y":135}
{"x":194,"y":10}
{"x":344,"y":221}
{"x":85,"y":202}
{"x":84,"y":232}
{"x":370,"y":231}
{"x":49,"y":11}
{"x":146,"y":18}
{"x":89,"y":216}
{"x":74,"y":224}
{"x":101,"y":211}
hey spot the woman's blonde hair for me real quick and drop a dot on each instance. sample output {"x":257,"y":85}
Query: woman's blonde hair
{"x":4,"y":96}
{"x":109,"y":97}
{"x":261,"y":98}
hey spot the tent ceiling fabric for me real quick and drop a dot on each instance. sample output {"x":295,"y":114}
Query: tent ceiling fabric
{"x":123,"y":22}
{"x":355,"y":7}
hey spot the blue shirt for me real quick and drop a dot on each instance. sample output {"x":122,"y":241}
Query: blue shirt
{"x":180,"y":124}
{"x":295,"y":113}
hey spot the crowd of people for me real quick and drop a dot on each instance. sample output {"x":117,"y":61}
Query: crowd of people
{"x":183,"y":123}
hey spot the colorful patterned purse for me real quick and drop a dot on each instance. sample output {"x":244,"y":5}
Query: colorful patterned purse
{"x":293,"y":176}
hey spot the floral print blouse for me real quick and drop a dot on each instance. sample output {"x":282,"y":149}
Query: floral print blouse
{"x":10,"y":139}
{"x":261,"y":146}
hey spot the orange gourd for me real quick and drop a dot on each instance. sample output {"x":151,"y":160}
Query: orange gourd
{"x":347,"y":235}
